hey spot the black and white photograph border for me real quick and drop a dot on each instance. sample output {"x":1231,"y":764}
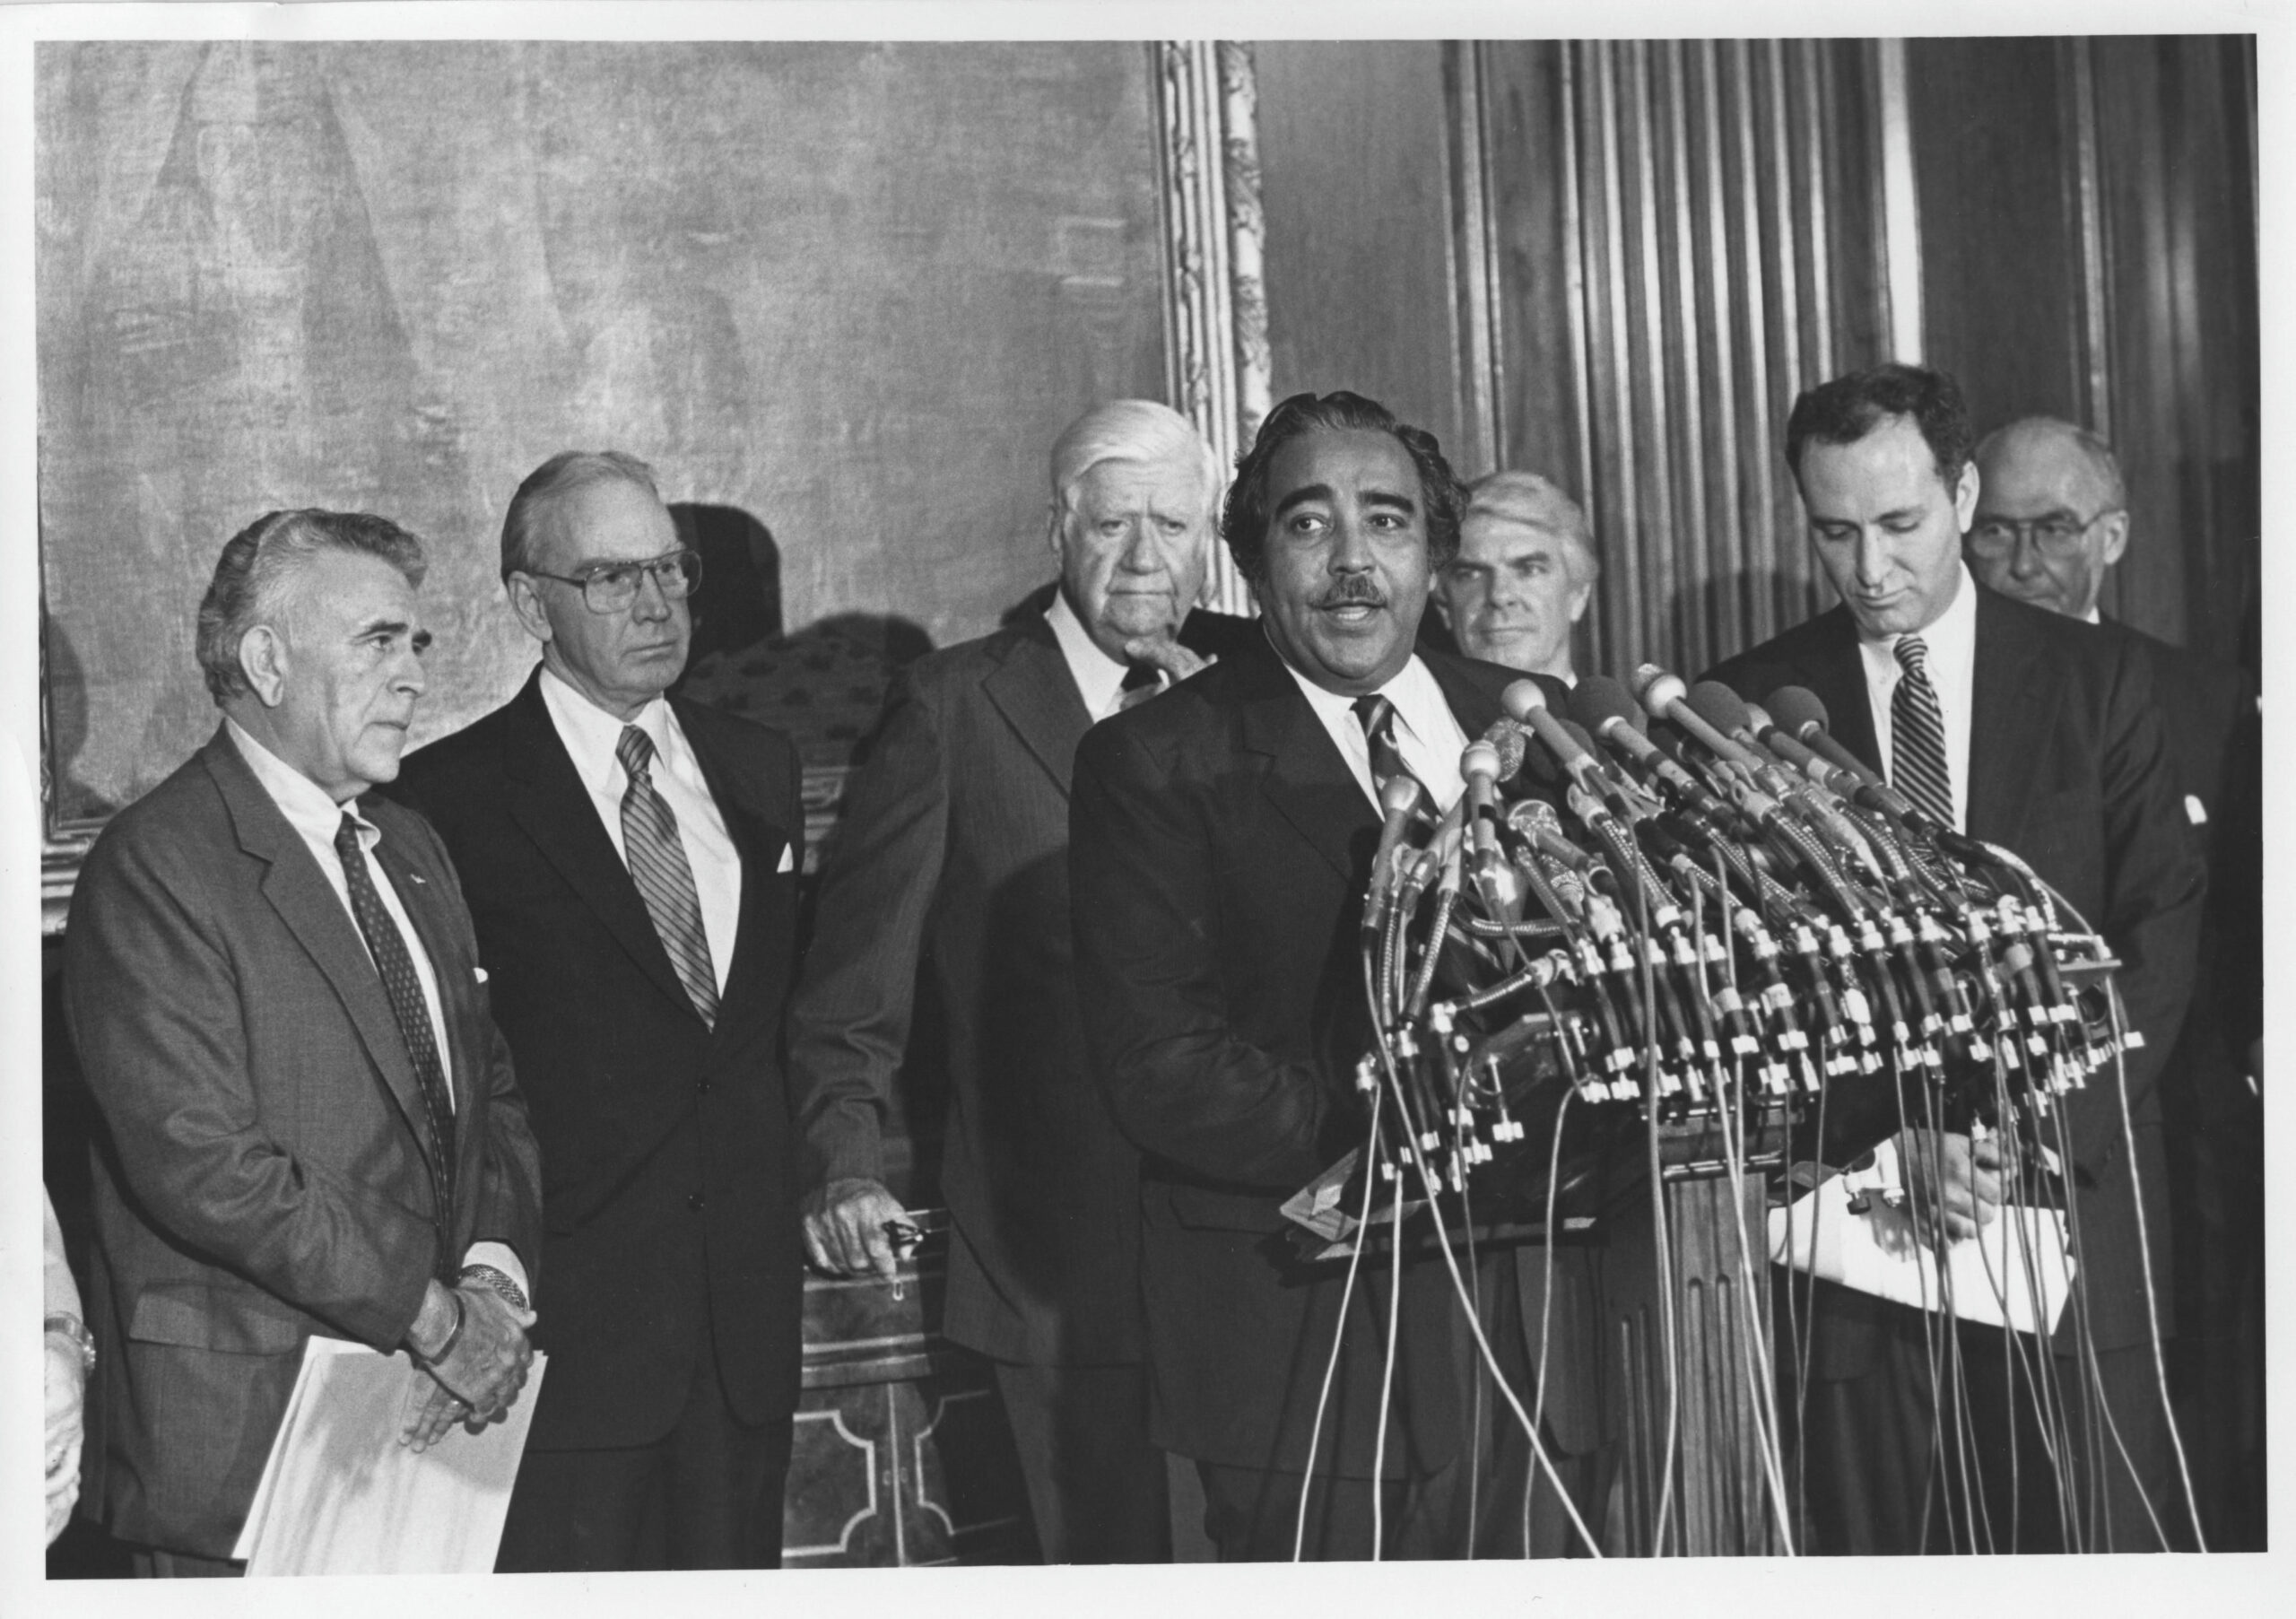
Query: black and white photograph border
{"x":1226,"y":354}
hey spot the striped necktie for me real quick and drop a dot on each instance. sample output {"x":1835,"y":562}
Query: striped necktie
{"x":404,"y":988}
{"x":1917,"y":766}
{"x":657,"y":864}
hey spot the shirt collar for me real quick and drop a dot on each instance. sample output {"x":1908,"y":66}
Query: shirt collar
{"x":308,"y":807}
{"x":1099,"y":677}
{"x":1413,"y":689}
{"x":591,"y":734}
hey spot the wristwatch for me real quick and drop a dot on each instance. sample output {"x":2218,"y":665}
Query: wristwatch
{"x":75,"y":1329}
{"x":497,"y":1280}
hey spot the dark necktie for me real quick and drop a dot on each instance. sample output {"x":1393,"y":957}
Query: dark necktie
{"x":657,"y":864}
{"x":1377,"y":718}
{"x":412,"y":1014}
{"x":1141,"y":682}
{"x":1917,"y":766}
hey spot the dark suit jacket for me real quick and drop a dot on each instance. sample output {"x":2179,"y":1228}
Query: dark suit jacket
{"x":668,"y":1190}
{"x":2070,"y":768}
{"x":262,"y":1175}
{"x":953,"y":856}
{"x":2207,"y":711}
{"x":1219,"y":853}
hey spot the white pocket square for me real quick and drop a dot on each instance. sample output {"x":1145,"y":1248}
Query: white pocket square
{"x":479,"y":973}
{"x":788,"y":860}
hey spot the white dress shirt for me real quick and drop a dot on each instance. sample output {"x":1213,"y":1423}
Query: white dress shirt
{"x":1427,"y":735}
{"x":591,"y":735}
{"x":1951,"y":638}
{"x":315,"y":816}
{"x":1100,"y":678}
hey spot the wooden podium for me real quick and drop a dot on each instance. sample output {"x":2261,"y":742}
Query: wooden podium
{"x":1721,"y":1503}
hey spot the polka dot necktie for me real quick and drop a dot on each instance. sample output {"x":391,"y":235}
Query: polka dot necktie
{"x":1917,"y":736}
{"x":657,"y":864}
{"x":404,"y":988}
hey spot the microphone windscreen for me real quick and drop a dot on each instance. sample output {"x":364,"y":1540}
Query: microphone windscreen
{"x":1521,"y":698}
{"x":1579,"y":734}
{"x":1658,"y":689}
{"x":1794,"y":707}
{"x":1535,"y":813}
{"x":1598,"y":699}
{"x":1718,"y":706}
{"x":1509,"y":738}
{"x":1401,"y":794}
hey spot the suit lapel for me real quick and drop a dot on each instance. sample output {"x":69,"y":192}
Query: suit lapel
{"x":1306,"y":779}
{"x":307,"y":903}
{"x":1835,"y":673}
{"x":549,"y":800}
{"x":2012,"y":714}
{"x":761,"y":841}
{"x":1475,"y":708}
{"x":1032,"y":688}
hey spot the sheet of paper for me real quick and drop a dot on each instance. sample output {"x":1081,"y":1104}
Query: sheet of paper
{"x":341,"y":1496}
{"x":2016,"y":1271}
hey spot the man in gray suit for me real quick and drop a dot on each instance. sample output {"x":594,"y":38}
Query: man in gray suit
{"x":952,"y":856}
{"x":310,"y":1123}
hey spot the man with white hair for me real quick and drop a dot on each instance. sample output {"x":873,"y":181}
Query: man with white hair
{"x":952,"y":855}
{"x":1524,"y":574}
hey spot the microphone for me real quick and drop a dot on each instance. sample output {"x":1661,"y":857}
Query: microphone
{"x":1535,"y":822}
{"x":1511,"y":742}
{"x":1794,"y":753}
{"x":1479,"y":764}
{"x":1528,"y":704}
{"x":1664,"y":693}
{"x":1400,"y":799}
{"x":1604,"y":706}
{"x":1801,"y":714}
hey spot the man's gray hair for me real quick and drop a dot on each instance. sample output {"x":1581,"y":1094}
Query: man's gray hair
{"x":256,"y":576}
{"x":553,"y":482}
{"x":1128,"y":430}
{"x":1526,"y":497}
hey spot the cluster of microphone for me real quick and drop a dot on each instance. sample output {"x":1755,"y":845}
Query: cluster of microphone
{"x":1730,"y":913}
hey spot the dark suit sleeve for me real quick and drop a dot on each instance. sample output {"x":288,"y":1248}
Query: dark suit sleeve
{"x":508,"y":1204}
{"x":155,"y":1007}
{"x":1143,"y":883}
{"x":2154,"y":888}
{"x":849,"y":1019}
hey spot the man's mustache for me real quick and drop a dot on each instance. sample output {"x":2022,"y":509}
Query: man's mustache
{"x":1354,"y":590}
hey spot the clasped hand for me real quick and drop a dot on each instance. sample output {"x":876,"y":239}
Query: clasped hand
{"x":478,"y":1379}
{"x":1952,"y":1179}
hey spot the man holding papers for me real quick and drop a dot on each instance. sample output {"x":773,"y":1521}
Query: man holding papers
{"x":311,"y":1126}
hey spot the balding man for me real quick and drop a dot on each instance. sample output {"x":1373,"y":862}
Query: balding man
{"x":1524,"y":574}
{"x":2052,"y":521}
{"x":952,"y":856}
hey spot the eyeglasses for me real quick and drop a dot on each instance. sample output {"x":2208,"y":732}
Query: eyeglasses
{"x":612,"y":587}
{"x":2058,"y":535}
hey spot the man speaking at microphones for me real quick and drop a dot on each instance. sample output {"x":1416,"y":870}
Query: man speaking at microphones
{"x":2039,"y":733}
{"x":1222,"y":842}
